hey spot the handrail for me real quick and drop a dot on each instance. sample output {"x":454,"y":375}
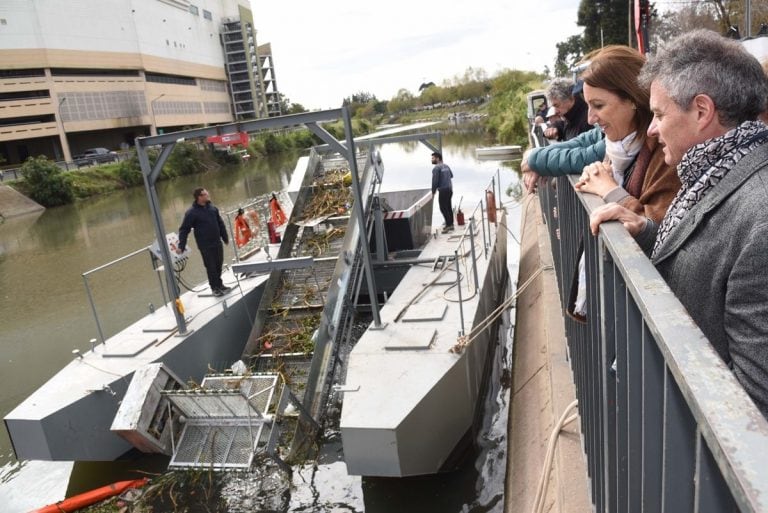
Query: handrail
{"x":86,"y":274}
{"x":665,"y":424}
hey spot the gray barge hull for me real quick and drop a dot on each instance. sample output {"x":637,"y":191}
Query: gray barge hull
{"x":69,"y":417}
{"x":409,"y":400}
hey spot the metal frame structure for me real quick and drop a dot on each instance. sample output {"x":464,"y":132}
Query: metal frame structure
{"x":665,"y":424}
{"x":310,"y":120}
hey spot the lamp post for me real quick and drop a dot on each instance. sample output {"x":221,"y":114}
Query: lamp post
{"x":153,"y":128}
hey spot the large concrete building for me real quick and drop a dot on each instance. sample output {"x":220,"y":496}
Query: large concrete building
{"x":99,"y":73}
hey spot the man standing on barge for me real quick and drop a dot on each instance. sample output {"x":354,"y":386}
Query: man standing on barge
{"x":210,"y":231}
{"x":442,"y":184}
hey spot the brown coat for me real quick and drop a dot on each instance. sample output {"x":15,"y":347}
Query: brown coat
{"x":652,"y":185}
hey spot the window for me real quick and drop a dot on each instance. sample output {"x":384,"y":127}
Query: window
{"x":193,"y":9}
{"x":83,"y":72}
{"x":17,"y":73}
{"x":207,"y":15}
{"x":169,"y":79}
{"x":24,"y":95}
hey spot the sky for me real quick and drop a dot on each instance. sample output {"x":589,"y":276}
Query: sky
{"x":326,"y":51}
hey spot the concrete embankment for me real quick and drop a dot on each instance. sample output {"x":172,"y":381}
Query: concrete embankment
{"x":542,"y":385}
{"x":13,"y":203}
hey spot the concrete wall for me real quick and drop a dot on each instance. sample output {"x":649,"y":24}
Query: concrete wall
{"x":542,"y":385}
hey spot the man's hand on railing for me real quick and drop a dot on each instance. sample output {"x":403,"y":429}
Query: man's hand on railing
{"x":632,"y":222}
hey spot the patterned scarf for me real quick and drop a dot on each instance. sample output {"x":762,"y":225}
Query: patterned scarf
{"x":702,"y":168}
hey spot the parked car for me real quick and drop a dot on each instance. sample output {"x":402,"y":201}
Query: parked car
{"x":93,"y":156}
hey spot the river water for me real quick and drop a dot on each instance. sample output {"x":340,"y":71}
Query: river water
{"x":45,"y":313}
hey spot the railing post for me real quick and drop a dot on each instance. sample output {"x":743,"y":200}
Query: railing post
{"x":474,"y":258}
{"x":93,"y":308}
{"x":482,"y":226}
{"x":458,"y":287}
{"x":153,"y":260}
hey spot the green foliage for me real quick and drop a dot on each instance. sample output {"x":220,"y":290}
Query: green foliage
{"x":604,"y":22}
{"x":287,"y":107}
{"x":274,"y":144}
{"x":46,"y":182}
{"x":301,"y":139}
{"x":185,"y":159}
{"x":95,"y":180}
{"x":507,"y":112}
{"x":569,"y":53}
{"x":257,"y":147}
{"x":401,"y":102}
{"x":473,"y":86}
{"x":129,"y":170}
{"x":225,"y":158}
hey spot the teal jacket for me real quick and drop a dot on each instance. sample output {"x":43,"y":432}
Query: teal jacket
{"x":569,"y":157}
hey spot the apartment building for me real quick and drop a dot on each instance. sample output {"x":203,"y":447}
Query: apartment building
{"x":99,"y":73}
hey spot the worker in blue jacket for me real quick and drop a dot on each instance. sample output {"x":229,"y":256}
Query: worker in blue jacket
{"x":210,"y":231}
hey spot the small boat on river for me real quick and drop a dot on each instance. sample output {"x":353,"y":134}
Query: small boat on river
{"x":510,"y":151}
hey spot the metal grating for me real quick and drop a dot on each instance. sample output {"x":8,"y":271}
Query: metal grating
{"x":225,"y":421}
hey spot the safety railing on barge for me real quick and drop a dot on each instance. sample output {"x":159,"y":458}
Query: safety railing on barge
{"x":666,"y":427}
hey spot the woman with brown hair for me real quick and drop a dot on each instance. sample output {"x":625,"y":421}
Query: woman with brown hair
{"x":633,"y":173}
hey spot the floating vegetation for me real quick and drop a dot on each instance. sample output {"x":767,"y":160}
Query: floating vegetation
{"x":290,"y":335}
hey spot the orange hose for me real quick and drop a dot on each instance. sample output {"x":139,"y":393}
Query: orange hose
{"x":92,"y":497}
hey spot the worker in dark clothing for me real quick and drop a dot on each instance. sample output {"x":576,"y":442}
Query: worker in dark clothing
{"x":442,"y":184}
{"x":210,"y":231}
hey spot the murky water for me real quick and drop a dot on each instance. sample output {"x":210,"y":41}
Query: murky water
{"x":45,"y":315}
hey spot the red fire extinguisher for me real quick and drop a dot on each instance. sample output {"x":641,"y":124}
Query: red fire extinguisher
{"x":490,"y":205}
{"x":459,"y":213}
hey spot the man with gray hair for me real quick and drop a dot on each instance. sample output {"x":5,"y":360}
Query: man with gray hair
{"x":570,"y":107}
{"x":712,"y":245}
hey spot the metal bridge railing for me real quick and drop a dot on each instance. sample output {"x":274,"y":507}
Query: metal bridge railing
{"x":666,"y":427}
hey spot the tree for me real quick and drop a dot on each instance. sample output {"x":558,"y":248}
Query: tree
{"x":507,"y":111}
{"x":287,"y":107}
{"x":401,"y":102}
{"x":569,"y":53}
{"x":605,"y":22}
{"x":48,"y":185}
{"x":295,"y":108}
{"x":671,"y":23}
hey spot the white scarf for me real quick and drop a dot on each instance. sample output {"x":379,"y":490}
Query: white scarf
{"x":622,"y":154}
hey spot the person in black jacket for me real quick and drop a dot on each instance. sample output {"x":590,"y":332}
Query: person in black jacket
{"x":210,"y":231}
{"x":566,"y":98}
{"x":442,"y":184}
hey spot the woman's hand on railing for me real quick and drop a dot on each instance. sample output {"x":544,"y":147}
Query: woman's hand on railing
{"x":632,"y":222}
{"x":531,"y":180}
{"x":597,"y":178}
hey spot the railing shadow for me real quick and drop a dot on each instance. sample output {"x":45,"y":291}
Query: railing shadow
{"x":665,"y":424}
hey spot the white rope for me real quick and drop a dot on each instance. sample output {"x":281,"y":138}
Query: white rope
{"x":463,"y":340}
{"x":541,"y":490}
